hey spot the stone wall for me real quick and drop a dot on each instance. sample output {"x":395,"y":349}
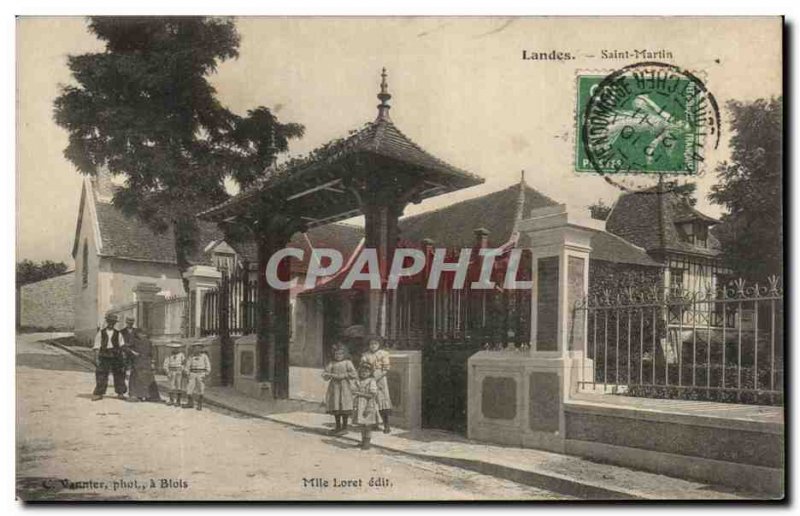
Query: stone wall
{"x":48,"y":303}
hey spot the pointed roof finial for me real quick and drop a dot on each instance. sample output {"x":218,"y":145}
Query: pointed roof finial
{"x":522,"y":177}
{"x":384,"y":96}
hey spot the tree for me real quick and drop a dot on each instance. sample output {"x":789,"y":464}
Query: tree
{"x":687,"y":190}
{"x":31,"y":272}
{"x":599,"y":210}
{"x":750,"y":187}
{"x":144,"y":108}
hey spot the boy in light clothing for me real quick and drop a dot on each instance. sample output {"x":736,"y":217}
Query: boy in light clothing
{"x":174,"y":365}
{"x":198,"y":367}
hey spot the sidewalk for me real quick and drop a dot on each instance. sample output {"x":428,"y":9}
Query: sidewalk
{"x":555,"y":472}
{"x":563,"y":474}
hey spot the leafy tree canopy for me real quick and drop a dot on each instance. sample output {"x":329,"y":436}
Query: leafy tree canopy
{"x":687,"y":190}
{"x":30,"y":272}
{"x":599,"y":210}
{"x":144,"y":108}
{"x":750,"y":188}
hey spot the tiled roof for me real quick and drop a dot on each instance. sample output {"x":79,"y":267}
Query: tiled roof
{"x":607,"y":247}
{"x":647,"y":218}
{"x":380,"y":138}
{"x":129,"y":238}
{"x":455,"y":225}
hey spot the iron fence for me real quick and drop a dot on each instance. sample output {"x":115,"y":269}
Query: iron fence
{"x":123,"y":311}
{"x":722,"y":344}
{"x":230,"y":309}
{"x":486,"y":319}
{"x":168,"y":317}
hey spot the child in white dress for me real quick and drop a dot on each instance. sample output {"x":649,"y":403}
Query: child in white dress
{"x":378,"y":359}
{"x":339,"y":372}
{"x":365,"y":414}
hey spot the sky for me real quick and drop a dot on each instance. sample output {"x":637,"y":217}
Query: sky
{"x":459,"y":89}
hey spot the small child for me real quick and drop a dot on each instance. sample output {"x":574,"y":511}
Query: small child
{"x":365,"y":414}
{"x":339,"y":372}
{"x":197,"y":368}
{"x":378,"y":360}
{"x":173,"y":368}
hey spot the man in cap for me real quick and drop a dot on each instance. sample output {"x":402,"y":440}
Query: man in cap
{"x":198,"y":366}
{"x":108,"y":358}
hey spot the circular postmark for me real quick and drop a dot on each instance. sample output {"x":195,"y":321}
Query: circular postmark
{"x":649,"y":118}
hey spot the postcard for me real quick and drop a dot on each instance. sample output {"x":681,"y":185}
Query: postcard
{"x":400,"y":259}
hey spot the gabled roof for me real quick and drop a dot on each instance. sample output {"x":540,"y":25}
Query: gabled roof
{"x":129,"y":238}
{"x":317,"y":173}
{"x":608,"y":247}
{"x":498,"y":212}
{"x":455,"y":225}
{"x":648,"y":219}
{"x":123,"y":237}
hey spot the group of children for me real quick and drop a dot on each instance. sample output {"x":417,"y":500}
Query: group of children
{"x":362,"y":393}
{"x":187,"y":374}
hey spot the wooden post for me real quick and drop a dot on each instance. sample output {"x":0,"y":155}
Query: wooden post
{"x":226,"y":344}
{"x":272,"y":328}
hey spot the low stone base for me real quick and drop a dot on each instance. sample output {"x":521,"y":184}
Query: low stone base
{"x":517,"y":398}
{"x":744,"y":453}
{"x":307,"y":384}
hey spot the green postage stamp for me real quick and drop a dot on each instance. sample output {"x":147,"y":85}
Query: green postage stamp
{"x":645,"y":118}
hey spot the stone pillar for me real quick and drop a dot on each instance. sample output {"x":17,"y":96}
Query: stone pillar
{"x":517,"y":397}
{"x":145,"y":295}
{"x":201,"y":278}
{"x":405,"y":389}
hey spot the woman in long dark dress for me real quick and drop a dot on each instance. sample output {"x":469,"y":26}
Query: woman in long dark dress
{"x":142,"y":382}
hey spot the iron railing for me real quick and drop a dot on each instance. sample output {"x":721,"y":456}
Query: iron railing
{"x":488,"y":319}
{"x":169,"y":317}
{"x":123,"y":311}
{"x":722,"y":344}
{"x":230,"y":308}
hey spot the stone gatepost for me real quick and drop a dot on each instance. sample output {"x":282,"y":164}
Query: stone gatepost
{"x":145,"y":295}
{"x":201,"y":278}
{"x":517,"y":397}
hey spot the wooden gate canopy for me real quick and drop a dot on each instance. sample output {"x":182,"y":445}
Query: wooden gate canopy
{"x":375,"y":164}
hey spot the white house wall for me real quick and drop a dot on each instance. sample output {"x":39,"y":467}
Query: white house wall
{"x":85,"y":298}
{"x":119,"y":277}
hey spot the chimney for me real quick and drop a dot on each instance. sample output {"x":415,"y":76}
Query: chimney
{"x":102,"y":185}
{"x":481,"y":238}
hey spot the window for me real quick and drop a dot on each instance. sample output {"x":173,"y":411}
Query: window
{"x":85,"y":265}
{"x":225,"y":261}
{"x":701,"y":235}
{"x":676,"y":280}
{"x":695,"y":233}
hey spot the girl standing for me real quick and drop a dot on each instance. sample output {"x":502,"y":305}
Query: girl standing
{"x":339,"y":372}
{"x":378,"y":359}
{"x":366,"y":414}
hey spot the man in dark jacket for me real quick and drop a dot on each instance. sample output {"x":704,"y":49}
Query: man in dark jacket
{"x":109,"y":358}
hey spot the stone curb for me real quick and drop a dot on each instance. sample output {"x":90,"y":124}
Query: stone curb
{"x":85,"y":360}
